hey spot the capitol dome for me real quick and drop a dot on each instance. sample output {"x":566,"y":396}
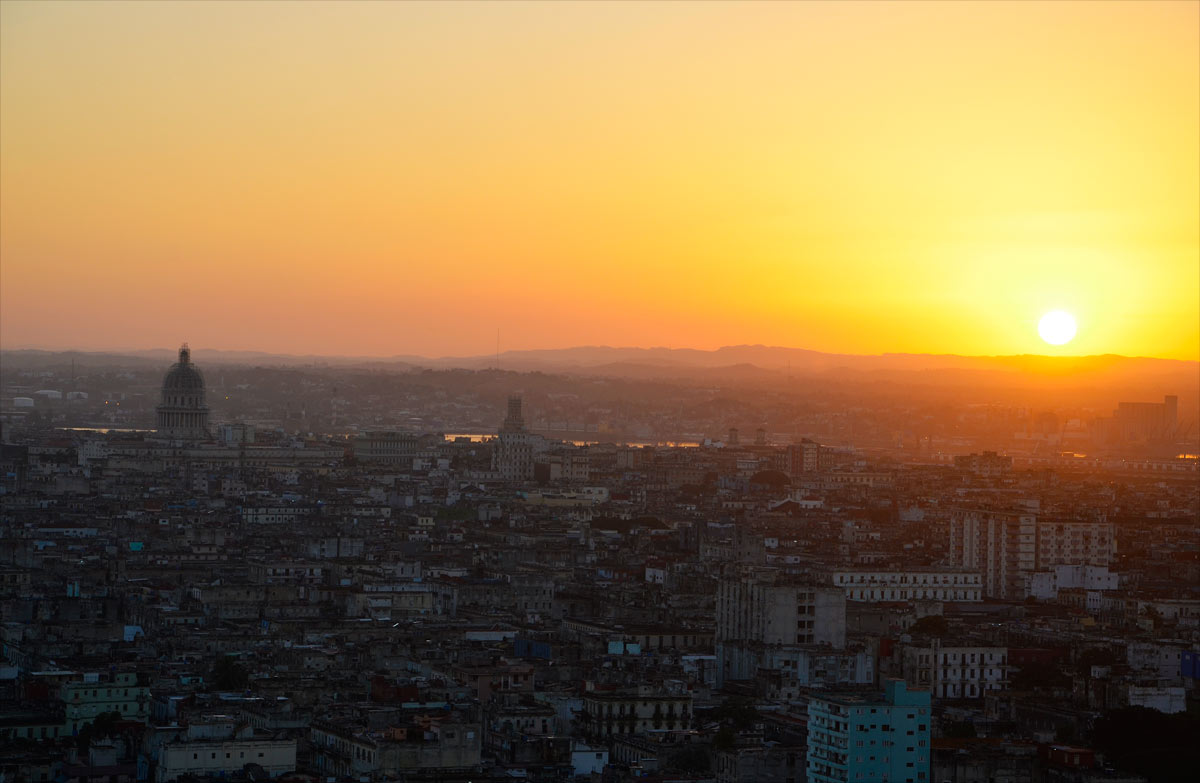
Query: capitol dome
{"x":183,"y":375}
{"x":182,"y":412}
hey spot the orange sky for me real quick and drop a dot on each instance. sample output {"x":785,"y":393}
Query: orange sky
{"x":385,"y":178}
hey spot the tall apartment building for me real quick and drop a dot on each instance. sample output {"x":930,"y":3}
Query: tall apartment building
{"x":1138,"y":423}
{"x":514,"y":450}
{"x":761,"y":610}
{"x":765,"y":605}
{"x":1074,"y":542}
{"x":807,"y":456}
{"x":1006,"y":547}
{"x":854,"y":737}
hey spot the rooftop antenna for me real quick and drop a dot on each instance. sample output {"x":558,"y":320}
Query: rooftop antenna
{"x":497,"y":347}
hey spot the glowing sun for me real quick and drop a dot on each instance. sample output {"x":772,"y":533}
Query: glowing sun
{"x":1057,"y":327}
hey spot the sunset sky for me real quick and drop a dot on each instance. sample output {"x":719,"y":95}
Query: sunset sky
{"x":405,"y":178}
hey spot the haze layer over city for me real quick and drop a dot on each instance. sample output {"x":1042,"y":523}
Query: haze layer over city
{"x":704,"y":392}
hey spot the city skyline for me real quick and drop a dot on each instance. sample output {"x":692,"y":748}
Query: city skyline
{"x":598,"y":392}
{"x":381,"y":179}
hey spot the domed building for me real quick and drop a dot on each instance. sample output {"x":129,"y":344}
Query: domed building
{"x":182,"y":413}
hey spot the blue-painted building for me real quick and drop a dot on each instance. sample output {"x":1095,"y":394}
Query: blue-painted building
{"x":531,"y":648}
{"x":1189,"y":664}
{"x":857,"y":736}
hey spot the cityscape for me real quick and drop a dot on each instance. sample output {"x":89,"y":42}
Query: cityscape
{"x":213,"y":586}
{"x":697,"y":392}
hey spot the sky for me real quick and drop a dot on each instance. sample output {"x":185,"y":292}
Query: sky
{"x":409,"y":178}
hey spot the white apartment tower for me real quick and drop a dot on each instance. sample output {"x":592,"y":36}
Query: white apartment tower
{"x":1006,"y":547}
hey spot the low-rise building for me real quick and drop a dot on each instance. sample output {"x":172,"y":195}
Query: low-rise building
{"x":910,"y":585}
{"x":219,"y":746}
{"x":955,"y":672}
{"x":96,"y":695}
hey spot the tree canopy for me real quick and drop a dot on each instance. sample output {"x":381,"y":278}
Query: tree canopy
{"x":933,"y":624}
{"x":229,"y":675}
{"x":736,"y":711}
{"x":1162,"y":747}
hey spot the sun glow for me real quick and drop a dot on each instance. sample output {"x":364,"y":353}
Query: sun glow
{"x":1057,"y":327}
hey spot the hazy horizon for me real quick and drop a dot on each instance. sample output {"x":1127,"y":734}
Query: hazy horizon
{"x":200,"y":349}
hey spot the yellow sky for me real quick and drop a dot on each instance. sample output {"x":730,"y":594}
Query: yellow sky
{"x":386,"y":178}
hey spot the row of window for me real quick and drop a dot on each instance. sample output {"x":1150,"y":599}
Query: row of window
{"x":922,"y":579}
{"x":108,"y":692}
{"x":898,"y":593}
{"x":213,"y":755}
{"x":954,"y":657}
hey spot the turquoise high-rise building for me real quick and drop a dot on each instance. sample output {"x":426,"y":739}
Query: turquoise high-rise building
{"x":863,"y":736}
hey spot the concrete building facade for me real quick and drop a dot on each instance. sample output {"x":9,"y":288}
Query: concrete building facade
{"x":922,"y":585}
{"x":1007,"y":547}
{"x":855,"y":737}
{"x":956,"y":672}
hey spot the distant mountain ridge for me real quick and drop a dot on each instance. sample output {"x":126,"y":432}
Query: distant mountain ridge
{"x":742,"y":362}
